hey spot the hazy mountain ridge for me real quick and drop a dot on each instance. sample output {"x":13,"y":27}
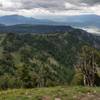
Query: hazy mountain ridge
{"x":88,"y":22}
{"x":78,"y":20}
{"x":17,"y":19}
{"x":29,"y":28}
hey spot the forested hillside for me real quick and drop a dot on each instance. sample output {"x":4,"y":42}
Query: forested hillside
{"x":33,"y":29}
{"x":38,"y":60}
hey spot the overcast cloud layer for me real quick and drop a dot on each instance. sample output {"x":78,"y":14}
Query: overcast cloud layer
{"x":49,"y":7}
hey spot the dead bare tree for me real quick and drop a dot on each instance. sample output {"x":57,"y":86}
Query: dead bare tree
{"x":87,"y":65}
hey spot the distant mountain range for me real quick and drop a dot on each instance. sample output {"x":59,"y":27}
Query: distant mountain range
{"x":79,"y":20}
{"x":82,"y":20}
{"x":16,"y":19}
{"x":17,"y":23}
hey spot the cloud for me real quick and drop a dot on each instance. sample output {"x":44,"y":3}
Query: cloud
{"x":91,"y":2}
{"x":0,"y":5}
{"x":31,"y":4}
{"x":32,"y":7}
{"x":47,"y":4}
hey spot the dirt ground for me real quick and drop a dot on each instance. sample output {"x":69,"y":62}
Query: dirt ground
{"x":89,"y":96}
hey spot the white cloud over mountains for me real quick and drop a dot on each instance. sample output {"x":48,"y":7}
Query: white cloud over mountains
{"x":49,"y":7}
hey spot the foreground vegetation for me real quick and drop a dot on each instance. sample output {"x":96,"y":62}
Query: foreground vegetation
{"x":28,"y":61}
{"x":62,"y":92}
{"x":44,"y":60}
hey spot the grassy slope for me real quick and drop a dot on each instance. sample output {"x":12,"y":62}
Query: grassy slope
{"x":63,"y":92}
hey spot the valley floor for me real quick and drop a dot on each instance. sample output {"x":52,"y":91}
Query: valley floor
{"x":52,"y":93}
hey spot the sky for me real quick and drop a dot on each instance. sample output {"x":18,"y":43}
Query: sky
{"x":49,"y":7}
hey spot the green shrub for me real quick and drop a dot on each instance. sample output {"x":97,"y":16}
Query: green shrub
{"x":77,"y":79}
